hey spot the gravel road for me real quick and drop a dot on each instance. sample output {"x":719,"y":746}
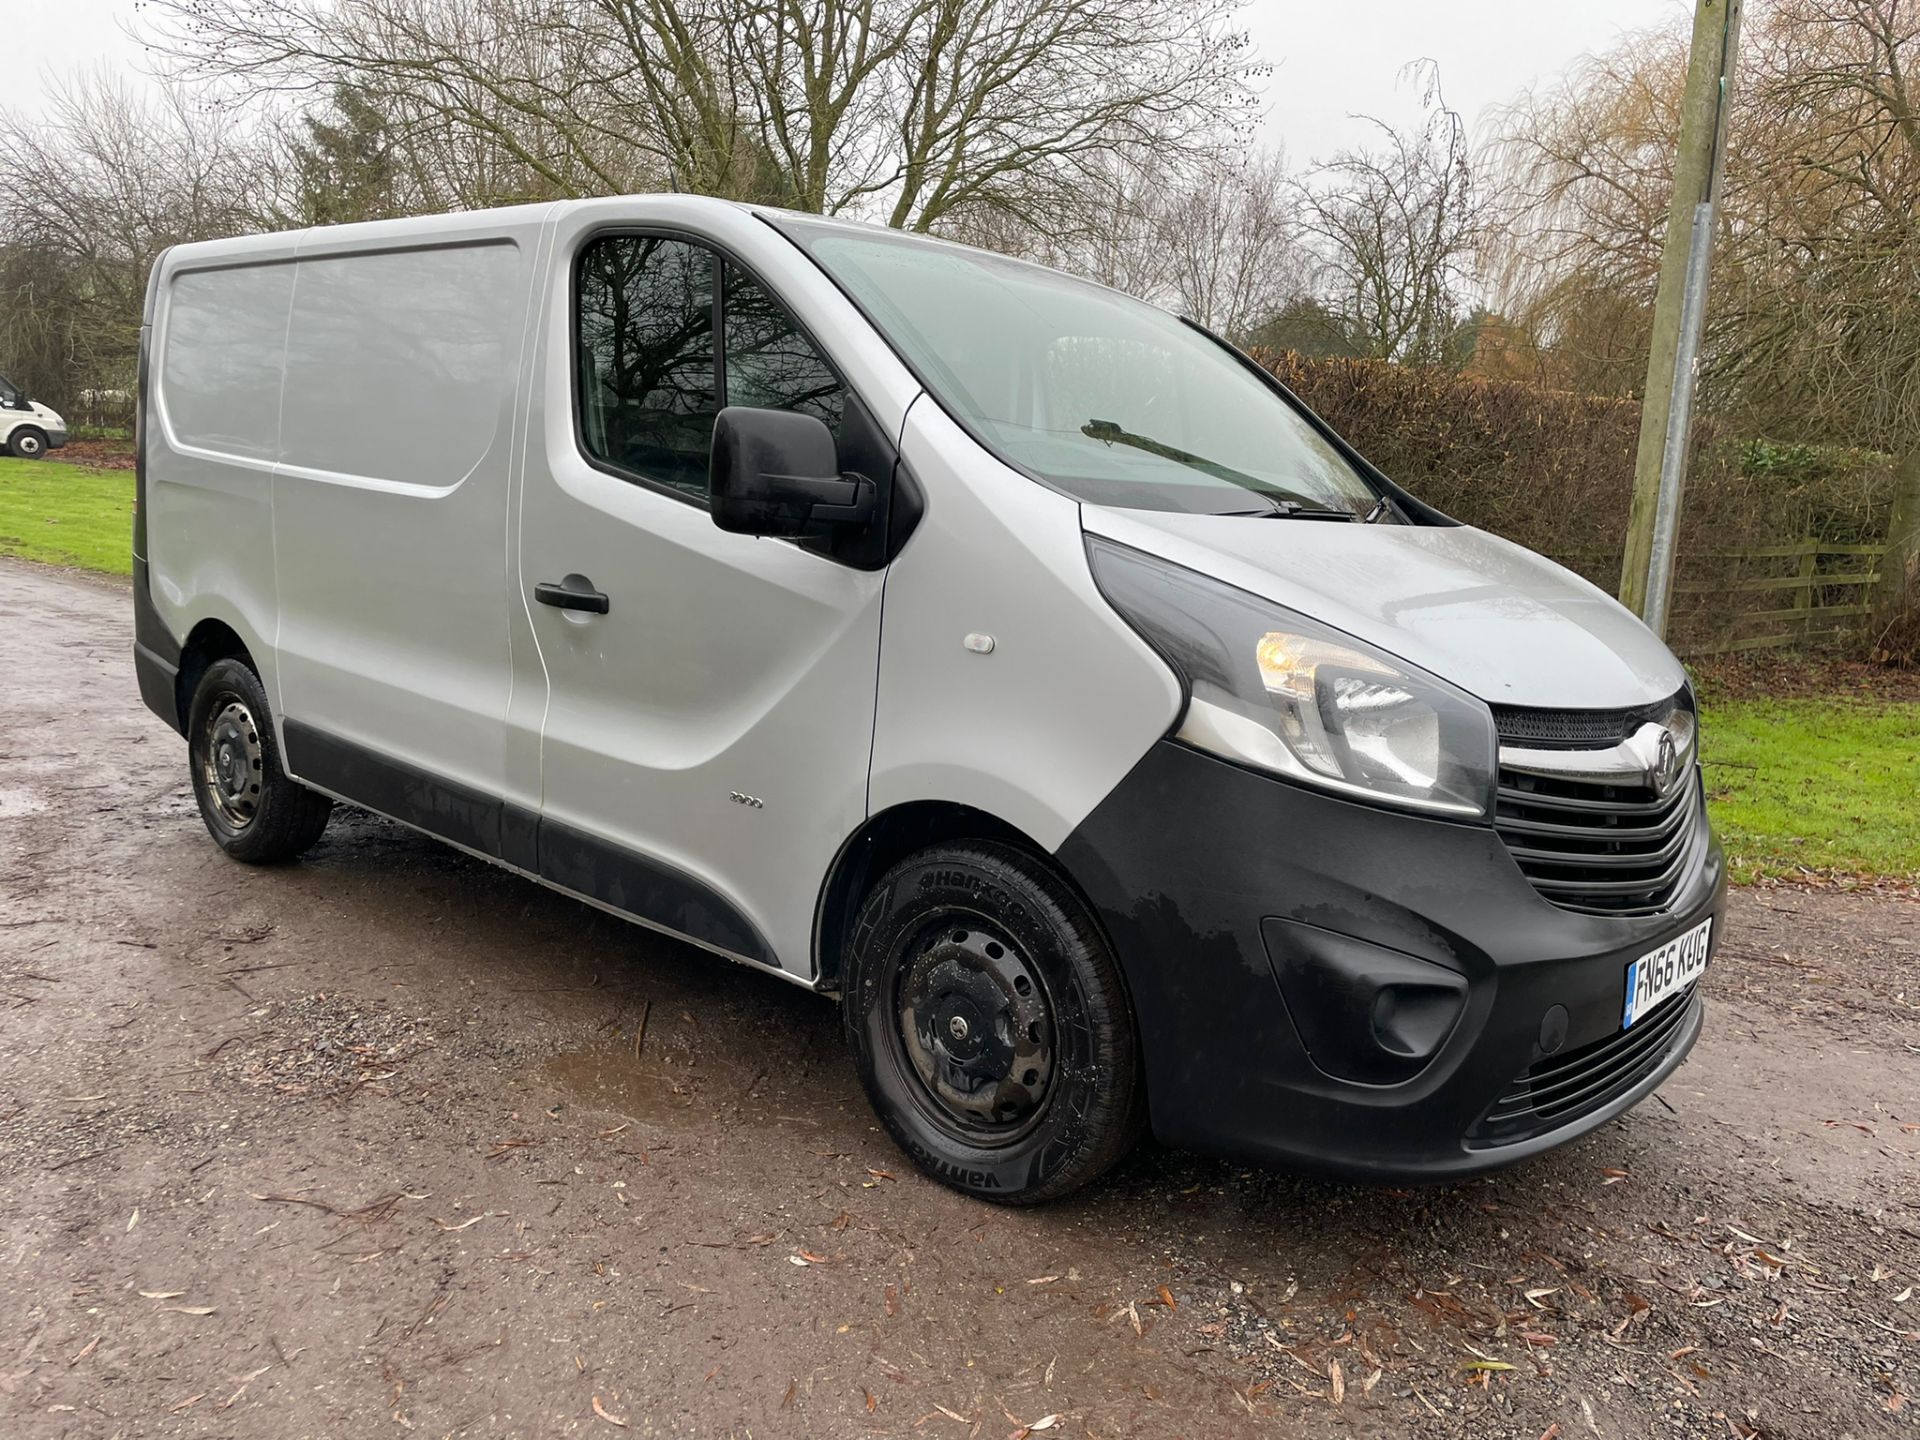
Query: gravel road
{"x":390,"y":1142}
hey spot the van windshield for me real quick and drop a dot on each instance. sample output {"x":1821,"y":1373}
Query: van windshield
{"x":1104,"y":397}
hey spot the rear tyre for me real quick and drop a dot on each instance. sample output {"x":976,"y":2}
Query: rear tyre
{"x":990,"y":1025}
{"x":28,"y":443}
{"x":253,"y":811}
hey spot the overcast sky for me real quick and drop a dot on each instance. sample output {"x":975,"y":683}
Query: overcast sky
{"x":1331,"y":60}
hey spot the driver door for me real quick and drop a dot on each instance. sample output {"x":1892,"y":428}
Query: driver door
{"x":709,"y":696}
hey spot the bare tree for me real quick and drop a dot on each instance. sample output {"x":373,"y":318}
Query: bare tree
{"x":1397,"y":227}
{"x":1814,"y":323}
{"x":91,"y":192}
{"x":1232,"y":238}
{"x":916,"y":111}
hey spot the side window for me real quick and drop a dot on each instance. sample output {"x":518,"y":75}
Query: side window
{"x":646,"y":357}
{"x":769,"y":363}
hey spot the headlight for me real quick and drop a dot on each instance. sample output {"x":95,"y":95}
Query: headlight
{"x":1271,"y":688}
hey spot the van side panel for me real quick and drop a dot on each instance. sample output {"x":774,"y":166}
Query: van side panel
{"x":391,"y":503}
{"x":219,"y":362}
{"x":1040,"y":727}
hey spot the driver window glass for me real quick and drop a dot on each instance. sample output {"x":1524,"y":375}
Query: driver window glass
{"x":648,"y":389}
{"x":769,"y":364}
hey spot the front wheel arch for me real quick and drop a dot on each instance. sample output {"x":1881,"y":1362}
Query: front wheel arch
{"x":881,"y":842}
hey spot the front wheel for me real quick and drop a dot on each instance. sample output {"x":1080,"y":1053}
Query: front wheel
{"x":27,"y":443}
{"x":253,"y":811}
{"x":990,"y":1025}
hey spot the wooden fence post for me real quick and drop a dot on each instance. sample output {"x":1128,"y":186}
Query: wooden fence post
{"x":1803,"y":597}
{"x":1900,"y":566}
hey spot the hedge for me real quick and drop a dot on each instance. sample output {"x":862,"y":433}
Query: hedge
{"x":1554,"y":471}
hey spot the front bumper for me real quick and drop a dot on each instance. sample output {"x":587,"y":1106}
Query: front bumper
{"x":1213,"y":882}
{"x":56,"y":439}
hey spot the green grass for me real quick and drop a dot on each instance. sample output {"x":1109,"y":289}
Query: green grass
{"x":1826,"y":784}
{"x":63,"y":515}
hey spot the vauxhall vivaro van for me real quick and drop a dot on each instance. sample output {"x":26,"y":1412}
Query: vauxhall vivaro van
{"x":1008,"y":658}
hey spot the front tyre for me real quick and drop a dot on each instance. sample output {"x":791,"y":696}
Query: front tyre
{"x":253,"y":811}
{"x":990,"y":1025}
{"x":28,"y":443}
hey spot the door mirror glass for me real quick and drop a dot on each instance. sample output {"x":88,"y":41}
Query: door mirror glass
{"x":777,"y":472}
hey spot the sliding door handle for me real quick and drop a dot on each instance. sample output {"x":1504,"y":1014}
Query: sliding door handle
{"x":576,"y":592}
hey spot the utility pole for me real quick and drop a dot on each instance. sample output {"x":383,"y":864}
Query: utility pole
{"x":1679,"y":310}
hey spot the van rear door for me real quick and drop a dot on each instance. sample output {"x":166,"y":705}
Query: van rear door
{"x":710,"y":696}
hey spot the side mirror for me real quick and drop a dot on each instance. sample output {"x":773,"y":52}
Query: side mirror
{"x":775,"y":472}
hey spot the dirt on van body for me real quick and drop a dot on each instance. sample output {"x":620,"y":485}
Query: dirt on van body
{"x":392,"y":1142}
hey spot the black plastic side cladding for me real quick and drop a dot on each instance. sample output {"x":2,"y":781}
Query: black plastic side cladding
{"x":633,"y":884}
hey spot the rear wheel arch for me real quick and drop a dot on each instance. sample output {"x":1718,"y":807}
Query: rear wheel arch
{"x":209,"y":641}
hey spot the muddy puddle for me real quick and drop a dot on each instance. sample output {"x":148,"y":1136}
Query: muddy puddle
{"x":670,"y":1088}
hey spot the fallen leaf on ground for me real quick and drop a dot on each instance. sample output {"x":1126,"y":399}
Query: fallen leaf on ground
{"x":461,"y":1226}
{"x":161,"y":1294}
{"x":606,"y":1414}
{"x":191,"y":1309}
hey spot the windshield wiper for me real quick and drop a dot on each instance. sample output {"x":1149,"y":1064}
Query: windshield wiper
{"x":1285,"y":505}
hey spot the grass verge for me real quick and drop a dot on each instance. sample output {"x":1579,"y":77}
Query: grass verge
{"x":1826,"y":785}
{"x":64,"y":515}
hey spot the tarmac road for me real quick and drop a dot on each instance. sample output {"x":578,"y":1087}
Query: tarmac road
{"x":390,"y":1142}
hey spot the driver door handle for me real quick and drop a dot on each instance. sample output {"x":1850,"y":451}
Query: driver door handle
{"x":576,"y":592}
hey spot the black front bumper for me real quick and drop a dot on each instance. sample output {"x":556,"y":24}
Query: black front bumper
{"x":1214,"y":883}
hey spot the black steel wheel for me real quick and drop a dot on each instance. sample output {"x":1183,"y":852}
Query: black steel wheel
{"x":253,"y":811}
{"x":28,"y":443}
{"x":991,"y":1026}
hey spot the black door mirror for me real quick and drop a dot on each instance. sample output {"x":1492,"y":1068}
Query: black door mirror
{"x":775,"y":472}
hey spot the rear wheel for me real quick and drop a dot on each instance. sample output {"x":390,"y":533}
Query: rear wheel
{"x":990,"y":1025}
{"x":253,"y":811}
{"x":28,"y":443}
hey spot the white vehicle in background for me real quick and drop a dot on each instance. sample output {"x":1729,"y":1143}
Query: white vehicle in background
{"x":28,"y":429}
{"x":1195,"y":775}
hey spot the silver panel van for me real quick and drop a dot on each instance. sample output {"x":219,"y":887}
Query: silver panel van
{"x":1014,"y":661}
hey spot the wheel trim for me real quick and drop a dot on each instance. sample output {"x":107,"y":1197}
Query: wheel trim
{"x":975,"y":1021}
{"x":232,"y":762}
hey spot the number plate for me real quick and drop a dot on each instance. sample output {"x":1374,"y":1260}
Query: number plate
{"x":1659,"y":973}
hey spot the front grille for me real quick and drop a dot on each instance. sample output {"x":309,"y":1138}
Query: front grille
{"x":1561,"y":1088}
{"x":1596,"y":848}
{"x":1574,"y":729}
